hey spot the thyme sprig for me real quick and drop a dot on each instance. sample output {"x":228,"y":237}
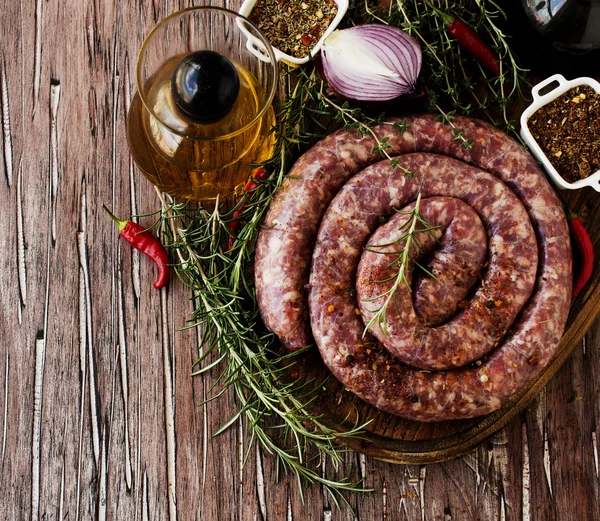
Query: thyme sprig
{"x":450,"y":78}
{"x":405,"y":261}
{"x":276,"y":411}
{"x":458,"y":134}
{"x":354,"y":118}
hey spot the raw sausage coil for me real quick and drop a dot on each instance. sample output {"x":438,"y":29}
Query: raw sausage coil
{"x":504,"y":289}
{"x":453,"y":353}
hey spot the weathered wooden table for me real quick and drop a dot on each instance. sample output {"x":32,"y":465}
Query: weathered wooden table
{"x":99,"y":417}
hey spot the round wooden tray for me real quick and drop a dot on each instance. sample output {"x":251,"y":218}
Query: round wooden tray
{"x":393,"y":439}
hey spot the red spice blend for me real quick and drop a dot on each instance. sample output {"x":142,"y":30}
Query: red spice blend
{"x":568,"y":132}
{"x":293,"y":26}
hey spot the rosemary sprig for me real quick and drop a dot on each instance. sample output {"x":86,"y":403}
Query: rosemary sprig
{"x":405,"y":261}
{"x":276,"y":411}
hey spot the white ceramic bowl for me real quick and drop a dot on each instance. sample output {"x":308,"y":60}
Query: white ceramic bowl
{"x":256,"y":47}
{"x":539,"y":101}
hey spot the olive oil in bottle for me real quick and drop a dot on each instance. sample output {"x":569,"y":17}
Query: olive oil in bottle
{"x":201,"y":128}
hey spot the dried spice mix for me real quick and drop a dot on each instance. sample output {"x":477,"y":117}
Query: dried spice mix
{"x":293,"y":26}
{"x":568,"y":132}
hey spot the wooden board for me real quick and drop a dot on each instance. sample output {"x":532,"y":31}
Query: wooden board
{"x":397,"y":440}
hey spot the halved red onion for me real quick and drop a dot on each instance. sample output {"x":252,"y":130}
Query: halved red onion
{"x":371,"y":62}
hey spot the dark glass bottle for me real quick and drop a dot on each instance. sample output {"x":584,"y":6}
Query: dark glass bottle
{"x":557,"y":35}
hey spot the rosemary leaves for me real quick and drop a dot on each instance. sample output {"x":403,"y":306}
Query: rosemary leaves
{"x":405,"y":260}
{"x":224,"y":293}
{"x":293,"y":26}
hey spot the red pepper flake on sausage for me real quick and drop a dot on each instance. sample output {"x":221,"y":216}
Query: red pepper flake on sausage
{"x":328,"y":209}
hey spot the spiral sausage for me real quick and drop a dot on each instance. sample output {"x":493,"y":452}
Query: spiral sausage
{"x":453,"y":268}
{"x":527,"y":279}
{"x":507,"y":284}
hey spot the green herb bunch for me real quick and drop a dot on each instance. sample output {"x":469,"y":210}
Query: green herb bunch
{"x":405,"y":259}
{"x":277,"y":411}
{"x":452,"y":80}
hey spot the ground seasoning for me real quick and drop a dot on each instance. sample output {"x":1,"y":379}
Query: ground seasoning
{"x":293,"y":26}
{"x":568,"y":132}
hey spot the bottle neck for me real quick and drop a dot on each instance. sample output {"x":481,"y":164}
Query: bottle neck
{"x":556,"y":35}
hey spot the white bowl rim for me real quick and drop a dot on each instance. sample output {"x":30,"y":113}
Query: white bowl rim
{"x":539,"y":101}
{"x":342,"y":5}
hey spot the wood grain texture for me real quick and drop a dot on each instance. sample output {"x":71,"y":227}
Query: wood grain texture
{"x":99,"y":417}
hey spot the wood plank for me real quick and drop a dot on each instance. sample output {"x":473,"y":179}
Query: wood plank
{"x":80,"y":302}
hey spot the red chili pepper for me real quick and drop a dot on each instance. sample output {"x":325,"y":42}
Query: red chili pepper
{"x":469,"y":40}
{"x":260,"y":174}
{"x":583,"y":250}
{"x":142,"y":240}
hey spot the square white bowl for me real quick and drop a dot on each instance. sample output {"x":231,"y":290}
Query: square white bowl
{"x":256,"y":47}
{"x":539,"y":101}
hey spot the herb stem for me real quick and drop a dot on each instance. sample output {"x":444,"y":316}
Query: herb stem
{"x":424,"y":40}
{"x":347,"y":114}
{"x":278,"y":412}
{"x":251,"y":369}
{"x":403,"y":261}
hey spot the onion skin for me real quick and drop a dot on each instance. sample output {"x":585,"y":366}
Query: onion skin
{"x":371,"y":62}
{"x":408,"y":103}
